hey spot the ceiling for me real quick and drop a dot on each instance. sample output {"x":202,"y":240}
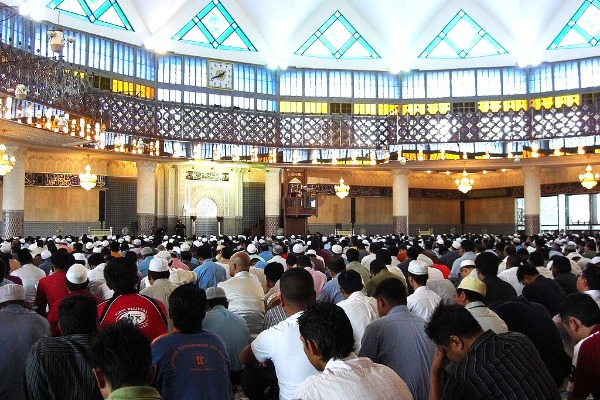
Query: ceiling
{"x":398,"y":30}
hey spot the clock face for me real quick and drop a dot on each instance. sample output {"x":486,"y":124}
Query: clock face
{"x":220,"y":75}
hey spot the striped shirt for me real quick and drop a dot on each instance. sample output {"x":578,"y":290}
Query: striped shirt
{"x":59,"y":368}
{"x":504,"y":366}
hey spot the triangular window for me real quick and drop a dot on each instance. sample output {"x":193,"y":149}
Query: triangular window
{"x":214,"y":27}
{"x":100,"y":12}
{"x":582,"y":30}
{"x":337,"y":38}
{"x":462,"y":37}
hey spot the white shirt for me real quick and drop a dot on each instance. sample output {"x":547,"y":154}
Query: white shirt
{"x":354,"y":378}
{"x":422,"y":302}
{"x":30,"y":275}
{"x":396,"y":271}
{"x":282,"y":345}
{"x":366,"y":261}
{"x":160,"y":290}
{"x":510,"y":276}
{"x":486,"y":317}
{"x":245,"y":295}
{"x":361,"y":311}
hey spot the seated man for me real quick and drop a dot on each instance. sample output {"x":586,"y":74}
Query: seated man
{"x":470,"y":294}
{"x":280,"y":343}
{"x":540,"y":289}
{"x":326,"y":334}
{"x":59,"y":368}
{"x":489,"y":366}
{"x":121,"y":359}
{"x":580,"y":316}
{"x":360,"y":309}
{"x":148,"y":314}
{"x":424,"y":300}
{"x":191,"y":363}
{"x":409,"y":357}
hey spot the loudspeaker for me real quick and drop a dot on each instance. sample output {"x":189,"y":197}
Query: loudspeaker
{"x":102,"y":205}
{"x":352,"y":210}
{"x":462,"y":212}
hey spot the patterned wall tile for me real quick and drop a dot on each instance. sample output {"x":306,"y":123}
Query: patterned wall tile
{"x":253,"y":204}
{"x":121,"y":204}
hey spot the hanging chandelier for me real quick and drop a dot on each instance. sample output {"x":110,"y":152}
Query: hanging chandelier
{"x":588,"y":179}
{"x":464,"y":184}
{"x":88,"y":180}
{"x":6,"y":163}
{"x":342,"y":190}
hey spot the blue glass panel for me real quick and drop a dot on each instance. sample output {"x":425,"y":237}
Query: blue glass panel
{"x":540,"y":79}
{"x":266,"y":81}
{"x":590,"y":72}
{"x":462,"y":37}
{"x":388,"y":86}
{"x":566,"y":75}
{"x":214,"y":27}
{"x":438,"y":84}
{"x":145,"y":64}
{"x":463,"y":83}
{"x":244,"y":78}
{"x":413,"y":85}
{"x":365,"y":85}
{"x":582,"y":30}
{"x":100,"y":52}
{"x":124,"y":61}
{"x":513,"y":81}
{"x":291,"y":82}
{"x":315,"y":83}
{"x":194,"y":71}
{"x":340,"y":84}
{"x":489,"y":82}
{"x":337,"y":38}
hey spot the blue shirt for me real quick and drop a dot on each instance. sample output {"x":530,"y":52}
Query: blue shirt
{"x":266,"y":255}
{"x":191,"y":366}
{"x":144,"y":265}
{"x":19,"y":330}
{"x":331,"y":292}
{"x":209,"y":274}
{"x":398,"y":340}
{"x":232,"y":329}
{"x":46,"y":266}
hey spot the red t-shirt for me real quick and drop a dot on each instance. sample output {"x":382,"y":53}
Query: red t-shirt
{"x":51,"y":289}
{"x":52,"y":316}
{"x":443,"y":269}
{"x":586,"y":363}
{"x":147,"y":313}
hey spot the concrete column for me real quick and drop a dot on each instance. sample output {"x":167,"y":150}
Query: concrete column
{"x":400,"y":200}
{"x":532,"y":191}
{"x":272,"y":200}
{"x":13,"y":195}
{"x":172,"y":194}
{"x":146,"y":200}
{"x":161,"y":213}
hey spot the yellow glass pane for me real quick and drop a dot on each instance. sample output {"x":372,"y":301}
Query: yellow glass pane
{"x":514,"y":105}
{"x":315,"y":108}
{"x":544,"y":102}
{"x":569,"y":100}
{"x":413,"y":109}
{"x":443,"y":108}
{"x":291,"y":107}
{"x":487,"y":106}
{"x":387,"y":109}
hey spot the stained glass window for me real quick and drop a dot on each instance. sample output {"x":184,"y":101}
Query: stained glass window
{"x":365,"y":85}
{"x":214,"y":27}
{"x":100,"y":12}
{"x":582,"y":30}
{"x":438,"y":84}
{"x":462,"y":37}
{"x":590,"y":72}
{"x":337,"y":38}
{"x":413,"y":85}
{"x":566,"y":75}
{"x":340,"y":84}
{"x":489,"y":82}
{"x":463,"y":83}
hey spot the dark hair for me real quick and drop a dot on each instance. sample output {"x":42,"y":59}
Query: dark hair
{"x":590,"y":244}
{"x":62,"y":260}
{"x":187,"y":307}
{"x":350,"y":281}
{"x":77,"y":314}
{"x":526,"y":270}
{"x":510,"y":250}
{"x":451,"y":320}
{"x":227,"y":252}
{"x":159,"y":275}
{"x":352,"y":254}
{"x":24,"y":256}
{"x":487,"y":263}
{"x":391,"y":289}
{"x":303,"y":261}
{"x":420,"y":279}
{"x":122,"y":353}
{"x":76,"y":286}
{"x":204,"y":252}
{"x":274,"y":270}
{"x":385,"y":256}
{"x":561,"y":264}
{"x":591,"y":273}
{"x":536,"y":259}
{"x":582,"y":307}
{"x":3,"y":269}
{"x":376,"y":266}
{"x":374,"y":247}
{"x":471,"y":295}
{"x":467,"y":245}
{"x":514,"y":261}
{"x":218,"y":301}
{"x":291,"y":259}
{"x":95,"y":259}
{"x":114,"y":246}
{"x":297,"y":286}
{"x":121,"y":275}
{"x":328,"y":326}
{"x":186,"y":255}
{"x":132,"y":255}
{"x":336,"y":264}
{"x":413,"y":252}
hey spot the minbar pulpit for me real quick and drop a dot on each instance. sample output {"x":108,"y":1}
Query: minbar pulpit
{"x":298,"y":204}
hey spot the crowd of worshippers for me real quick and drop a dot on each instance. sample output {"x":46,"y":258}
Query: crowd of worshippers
{"x":307,"y":317}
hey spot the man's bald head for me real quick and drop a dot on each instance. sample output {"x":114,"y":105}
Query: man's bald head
{"x":241,"y":261}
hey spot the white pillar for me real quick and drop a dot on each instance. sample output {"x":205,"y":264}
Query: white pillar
{"x":146,"y":200}
{"x":532,"y":192}
{"x":272,"y":200}
{"x":400,"y":201}
{"x":13,"y":195}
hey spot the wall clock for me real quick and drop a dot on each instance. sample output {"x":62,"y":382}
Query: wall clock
{"x":220,"y":74}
